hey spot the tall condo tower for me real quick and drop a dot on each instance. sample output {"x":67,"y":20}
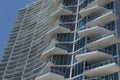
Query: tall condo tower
{"x":64,"y":40}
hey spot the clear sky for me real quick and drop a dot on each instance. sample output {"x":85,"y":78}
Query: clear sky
{"x":8,"y":13}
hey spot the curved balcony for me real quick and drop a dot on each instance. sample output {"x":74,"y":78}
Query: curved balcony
{"x":92,"y":10}
{"x":102,"y":68}
{"x":61,"y":10}
{"x":55,"y":49}
{"x":102,"y":19}
{"x":92,"y":31}
{"x":93,"y":56}
{"x":51,"y":75}
{"x":55,"y":30}
{"x":103,"y":41}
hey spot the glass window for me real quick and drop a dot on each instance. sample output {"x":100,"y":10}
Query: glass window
{"x":64,"y":70}
{"x":112,"y":50}
{"x":70,"y":26}
{"x":65,"y":37}
{"x":61,"y":59}
{"x":68,"y":18}
{"x":79,"y":44}
{"x":66,"y":46}
{"x":77,"y":69}
{"x":70,"y":2}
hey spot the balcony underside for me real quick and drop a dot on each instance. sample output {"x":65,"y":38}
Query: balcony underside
{"x":103,"y":19}
{"x":58,"y":29}
{"x":102,"y":70}
{"x":93,"y":31}
{"x":92,"y":10}
{"x":103,"y":42}
{"x":93,"y":57}
{"x":60,"y":11}
{"x":50,"y":76}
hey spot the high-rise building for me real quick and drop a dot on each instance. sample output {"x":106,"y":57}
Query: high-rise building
{"x":64,"y":40}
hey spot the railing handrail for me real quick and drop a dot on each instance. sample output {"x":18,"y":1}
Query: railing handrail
{"x":100,"y":64}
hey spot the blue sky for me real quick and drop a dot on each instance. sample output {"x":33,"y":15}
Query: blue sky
{"x":8,"y":13}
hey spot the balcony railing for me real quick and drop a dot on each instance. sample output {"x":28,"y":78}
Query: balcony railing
{"x":92,"y":50}
{"x":92,"y":18}
{"x":103,"y":36}
{"x":86,"y":27}
{"x":100,"y":64}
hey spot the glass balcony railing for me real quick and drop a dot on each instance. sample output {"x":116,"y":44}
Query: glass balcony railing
{"x":102,"y":36}
{"x":100,"y":64}
{"x":92,"y":50}
{"x":106,"y":27}
{"x":92,"y":18}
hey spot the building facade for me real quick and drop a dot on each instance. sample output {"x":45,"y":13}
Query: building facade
{"x":64,"y":40}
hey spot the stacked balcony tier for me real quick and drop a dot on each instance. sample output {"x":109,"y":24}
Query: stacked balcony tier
{"x":92,"y":10}
{"x":103,"y":41}
{"x":93,"y":56}
{"x":102,"y":18}
{"x":102,"y":68}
